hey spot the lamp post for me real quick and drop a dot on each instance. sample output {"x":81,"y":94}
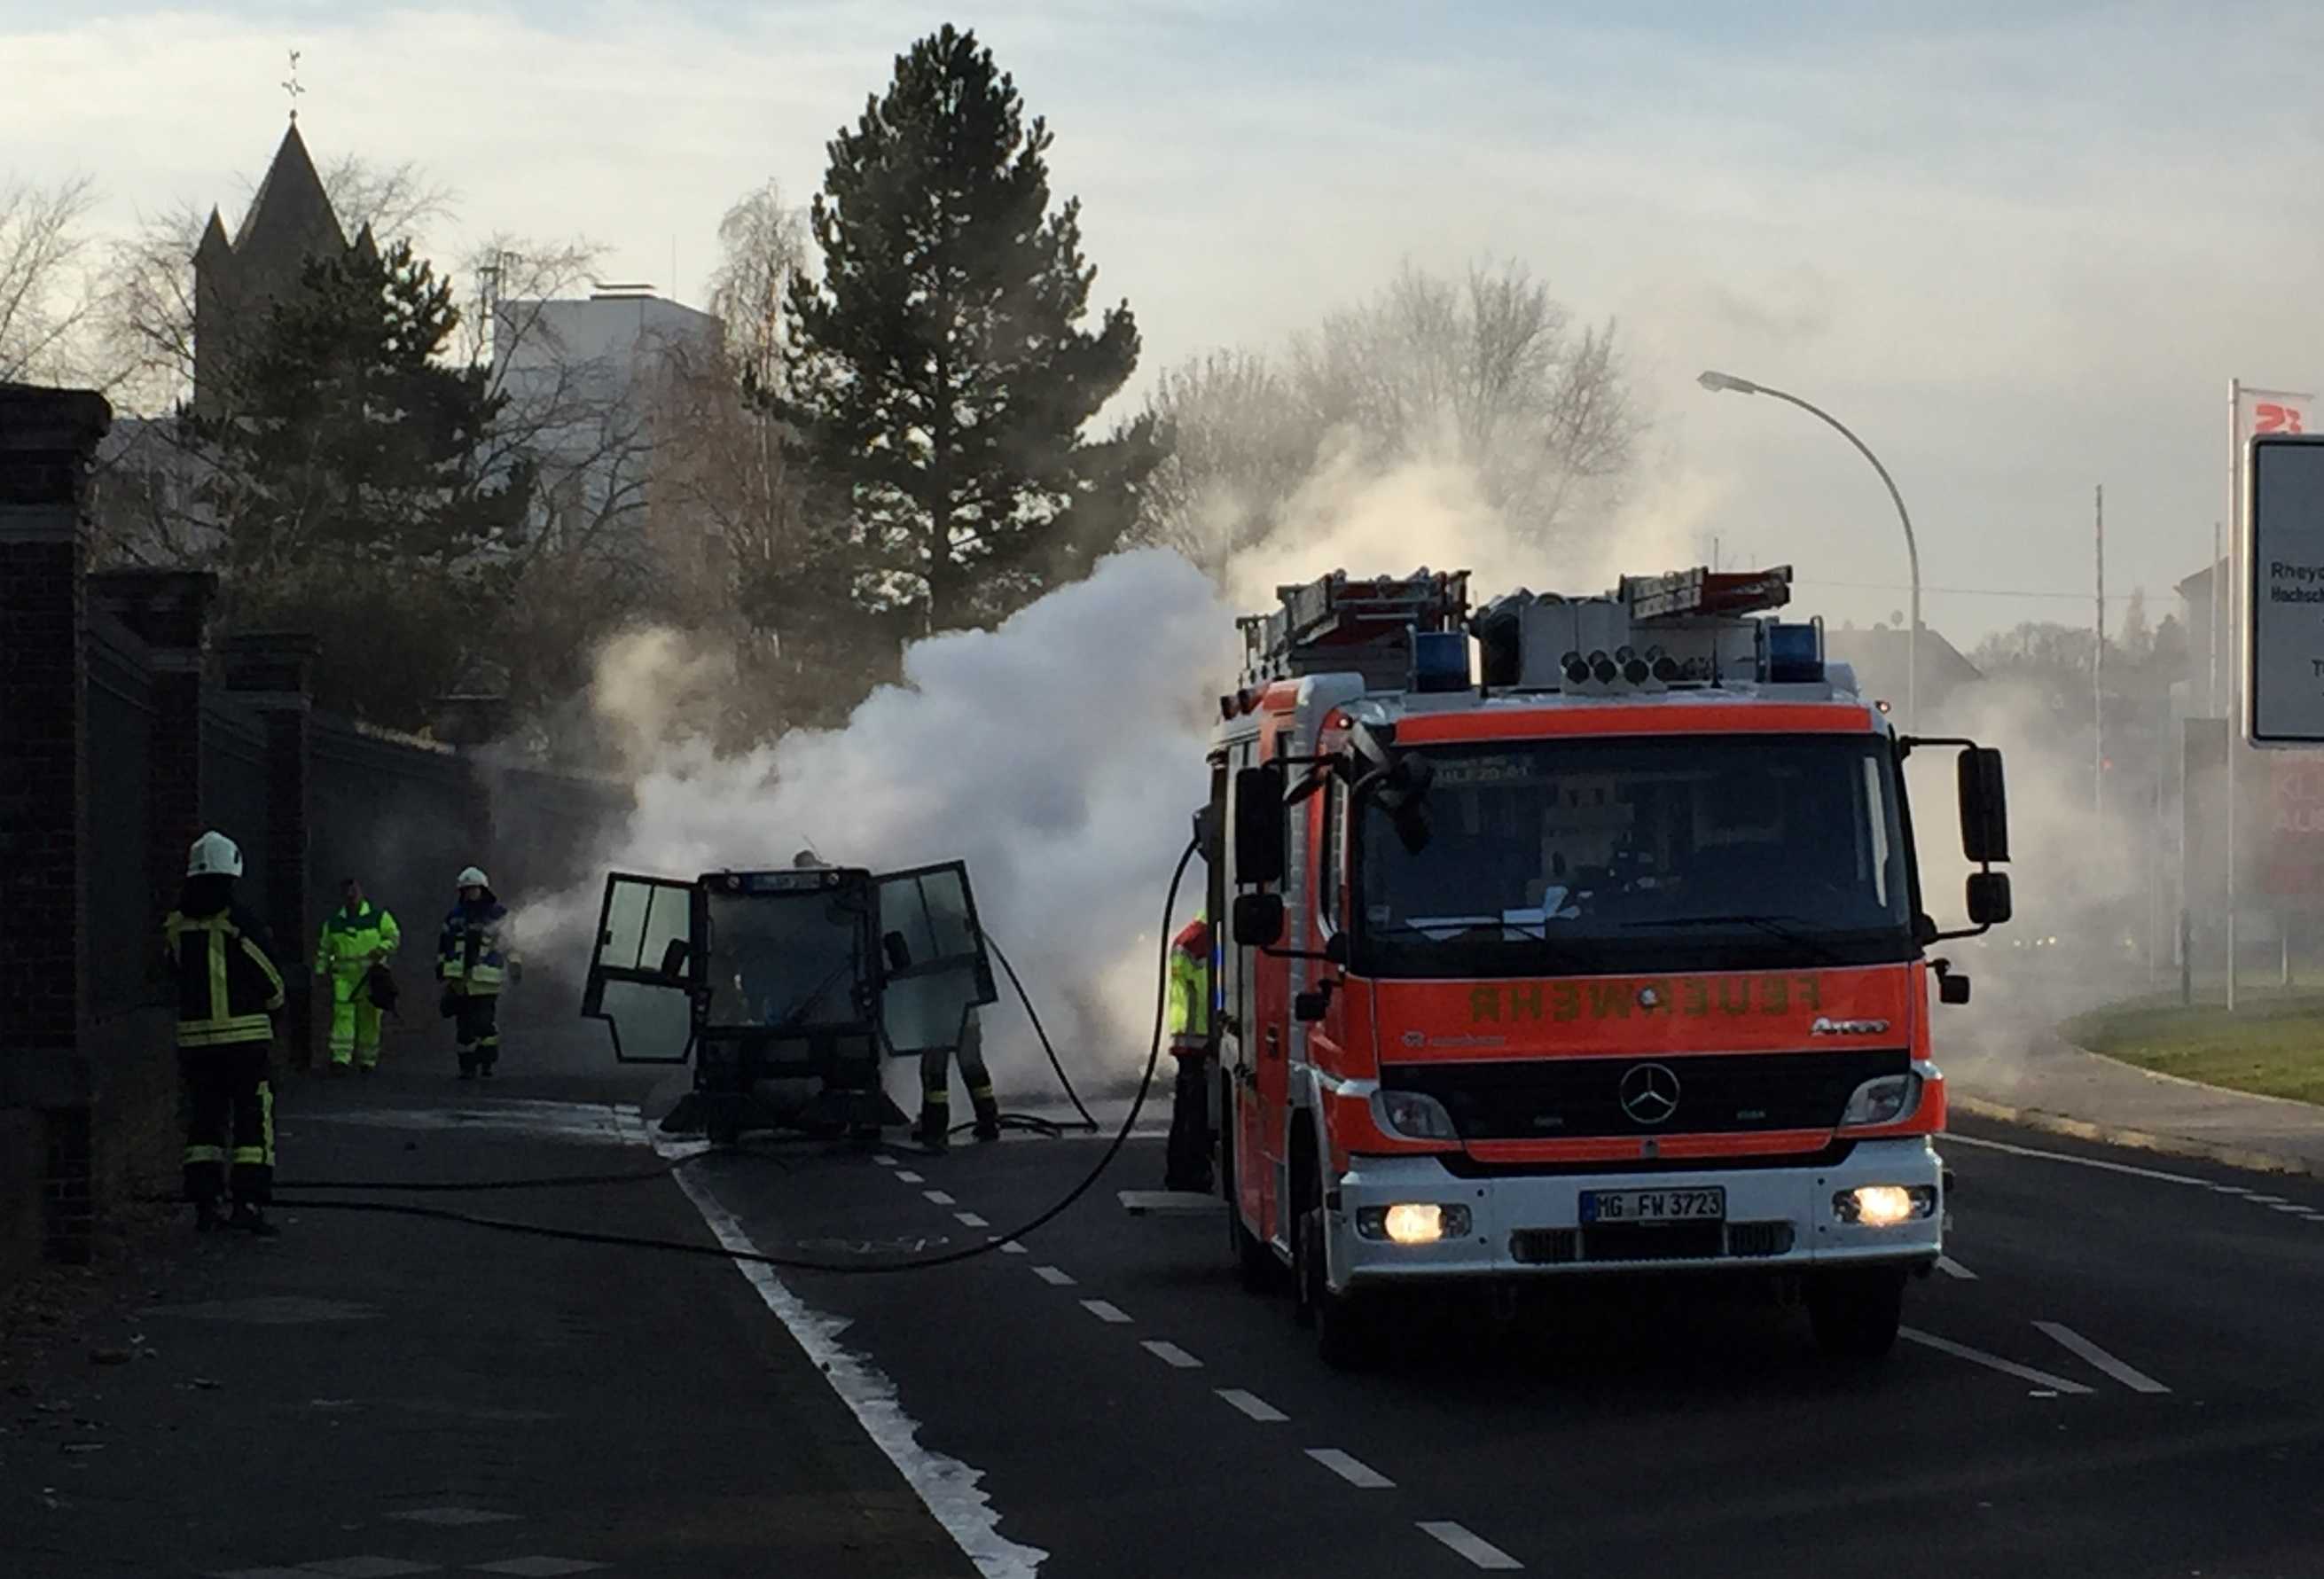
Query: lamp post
{"x":1727,"y":382}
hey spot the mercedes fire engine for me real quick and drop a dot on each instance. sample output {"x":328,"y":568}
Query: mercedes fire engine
{"x":1603,"y":954}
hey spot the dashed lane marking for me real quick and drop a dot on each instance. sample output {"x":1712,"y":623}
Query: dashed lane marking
{"x":971,"y":1220}
{"x":1954,"y":1269}
{"x":884,"y":1160}
{"x":1480,"y":1551}
{"x":1252,"y":1405}
{"x":1105,"y":1310}
{"x":1990,"y":1362}
{"x":1055,"y":1277}
{"x":1171,"y":1355}
{"x":939,"y":1197}
{"x":1350,"y":1469}
{"x":2265,"y":1200}
{"x":2098,"y":1359}
{"x":905,"y":1176}
{"x":1013,"y":1248}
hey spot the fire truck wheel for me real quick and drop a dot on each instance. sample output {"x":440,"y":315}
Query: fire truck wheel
{"x":1856,"y":1312}
{"x":1346,"y":1336}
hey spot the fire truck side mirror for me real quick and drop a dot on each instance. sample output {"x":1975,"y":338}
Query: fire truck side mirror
{"x":1988,"y":898}
{"x":1984,"y":805}
{"x":1259,"y":827}
{"x":1258,"y":919}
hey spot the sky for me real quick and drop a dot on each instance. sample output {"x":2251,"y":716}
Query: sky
{"x":2020,"y":249}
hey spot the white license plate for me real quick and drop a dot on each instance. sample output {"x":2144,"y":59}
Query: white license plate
{"x":1679,"y":1206}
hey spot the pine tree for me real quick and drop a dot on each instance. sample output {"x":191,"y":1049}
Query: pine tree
{"x":940,"y":380}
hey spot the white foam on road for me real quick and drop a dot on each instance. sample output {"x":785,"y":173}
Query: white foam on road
{"x":2098,"y":1359}
{"x":948,"y":1488}
{"x":1480,"y":1551}
{"x":1990,"y":1362}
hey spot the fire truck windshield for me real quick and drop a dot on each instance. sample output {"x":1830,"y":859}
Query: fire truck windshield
{"x":780,"y":961}
{"x":1702,"y":853}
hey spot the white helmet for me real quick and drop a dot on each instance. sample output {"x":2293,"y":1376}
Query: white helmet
{"x":474,"y":877}
{"x":213,"y":856}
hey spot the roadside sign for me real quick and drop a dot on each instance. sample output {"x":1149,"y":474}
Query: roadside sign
{"x":2283,"y":638}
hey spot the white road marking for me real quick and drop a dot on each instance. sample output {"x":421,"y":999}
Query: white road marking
{"x":1991,"y":1362}
{"x":2089,"y":1354}
{"x":2230,"y":1189}
{"x":939,"y":1197}
{"x":1105,"y":1311}
{"x":1955,"y":1139}
{"x":1171,"y":1355}
{"x":1055,"y":1277}
{"x":947,"y":1485}
{"x":907,"y":1176}
{"x":1013,"y":1248}
{"x":971,"y":1220}
{"x":1251,"y":1404}
{"x":2292,"y":1208}
{"x":884,"y":1160}
{"x":1483,"y":1553}
{"x":1954,"y":1269}
{"x":1353,"y":1470}
{"x":2265,"y":1200}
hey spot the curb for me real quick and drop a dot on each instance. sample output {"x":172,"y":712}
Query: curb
{"x":2034,"y":1118}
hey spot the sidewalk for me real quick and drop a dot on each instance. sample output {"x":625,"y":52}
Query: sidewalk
{"x":372,"y":1396}
{"x":2049,"y":1083}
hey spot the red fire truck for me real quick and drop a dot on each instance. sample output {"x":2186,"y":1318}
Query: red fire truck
{"x":1574,"y":936}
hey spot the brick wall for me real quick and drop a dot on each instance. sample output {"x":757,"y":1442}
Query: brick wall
{"x":184,"y":735}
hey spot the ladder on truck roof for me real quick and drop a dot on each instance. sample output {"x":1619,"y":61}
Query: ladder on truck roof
{"x":1336,"y":625}
{"x":1705,"y":593}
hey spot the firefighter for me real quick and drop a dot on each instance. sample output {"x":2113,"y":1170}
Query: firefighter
{"x":357,"y":938}
{"x":474,"y":956}
{"x":934,"y":1132}
{"x":227,"y":992}
{"x":1187,"y":1165}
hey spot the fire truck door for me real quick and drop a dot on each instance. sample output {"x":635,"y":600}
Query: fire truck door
{"x":643,"y":967}
{"x":936,"y":964}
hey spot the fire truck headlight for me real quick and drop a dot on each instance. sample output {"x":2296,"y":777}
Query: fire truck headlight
{"x":1885,"y":1205}
{"x":1881,"y":1101}
{"x":1413,"y":1114}
{"x":1413,"y":1222}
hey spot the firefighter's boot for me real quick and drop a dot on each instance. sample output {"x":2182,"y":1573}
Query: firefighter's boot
{"x":206,"y":1217}
{"x":252,"y":1221}
{"x":935,"y":1129}
{"x":988,"y":1113}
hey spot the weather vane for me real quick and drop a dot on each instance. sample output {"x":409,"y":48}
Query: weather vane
{"x":291,"y":86}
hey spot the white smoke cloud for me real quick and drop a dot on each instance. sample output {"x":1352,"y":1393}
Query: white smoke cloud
{"x":1060,"y":755}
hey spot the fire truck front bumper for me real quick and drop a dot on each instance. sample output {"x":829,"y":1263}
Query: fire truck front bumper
{"x":1405,"y":1218}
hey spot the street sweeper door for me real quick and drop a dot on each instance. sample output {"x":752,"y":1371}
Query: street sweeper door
{"x":643,"y":970}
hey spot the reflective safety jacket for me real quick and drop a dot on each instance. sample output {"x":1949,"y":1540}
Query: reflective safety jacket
{"x":477,"y":947}
{"x":226,"y":985}
{"x":1190,"y":988}
{"x":349,"y":940}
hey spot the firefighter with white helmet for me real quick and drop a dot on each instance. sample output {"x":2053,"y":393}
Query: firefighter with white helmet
{"x":475,"y":956}
{"x":227,"y":992}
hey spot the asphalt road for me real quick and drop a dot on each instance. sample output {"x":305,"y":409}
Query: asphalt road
{"x":2116,"y":1372}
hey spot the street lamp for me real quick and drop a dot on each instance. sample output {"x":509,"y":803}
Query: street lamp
{"x":1728,"y":384}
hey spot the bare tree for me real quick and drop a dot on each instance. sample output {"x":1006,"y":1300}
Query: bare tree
{"x":398,"y":202}
{"x":1237,"y":439}
{"x":45,"y":292}
{"x":1489,"y":370}
{"x":762,"y":244}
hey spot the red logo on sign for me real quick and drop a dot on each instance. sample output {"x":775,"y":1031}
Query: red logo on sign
{"x":2269,"y":418}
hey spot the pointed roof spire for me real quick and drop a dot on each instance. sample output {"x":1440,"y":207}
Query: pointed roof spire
{"x":213,"y":242}
{"x":290,"y":208}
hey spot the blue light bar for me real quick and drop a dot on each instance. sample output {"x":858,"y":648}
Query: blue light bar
{"x":1790,"y":653}
{"x":1440,"y":661}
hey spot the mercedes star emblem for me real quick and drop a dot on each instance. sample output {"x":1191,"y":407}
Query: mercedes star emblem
{"x":1649,"y":1093}
{"x":1648,"y":998}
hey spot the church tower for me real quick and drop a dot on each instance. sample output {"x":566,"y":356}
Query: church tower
{"x":290,"y":223}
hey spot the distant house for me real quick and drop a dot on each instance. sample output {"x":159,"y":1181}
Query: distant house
{"x":1879,"y":656}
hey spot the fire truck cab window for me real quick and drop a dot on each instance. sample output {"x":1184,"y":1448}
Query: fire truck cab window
{"x":1686,"y":854}
{"x":783,"y":961}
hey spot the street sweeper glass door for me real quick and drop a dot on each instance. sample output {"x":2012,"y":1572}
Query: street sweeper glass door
{"x":937,"y":967}
{"x":642,"y":970}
